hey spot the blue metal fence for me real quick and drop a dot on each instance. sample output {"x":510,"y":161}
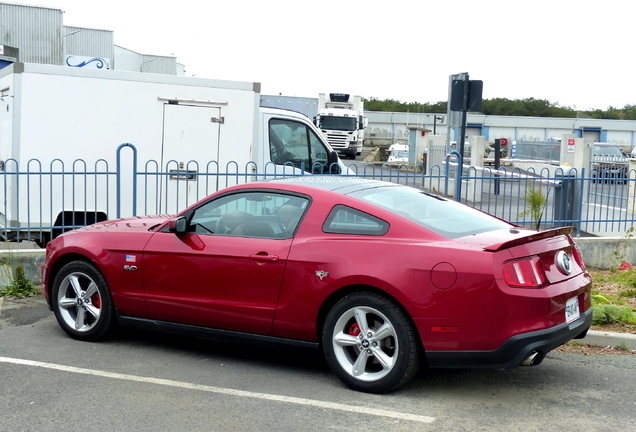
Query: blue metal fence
{"x":595,"y":202}
{"x":42,"y":201}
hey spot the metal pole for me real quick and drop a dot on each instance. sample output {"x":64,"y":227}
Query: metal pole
{"x":497,"y":164}
{"x":134,"y":179}
{"x":462,"y":138}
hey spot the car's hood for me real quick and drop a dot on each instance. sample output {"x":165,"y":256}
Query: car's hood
{"x":135,"y":223}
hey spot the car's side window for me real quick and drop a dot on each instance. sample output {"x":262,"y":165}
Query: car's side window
{"x":250,"y":214}
{"x":293,"y":142}
{"x":347,"y":220}
{"x":319,"y":155}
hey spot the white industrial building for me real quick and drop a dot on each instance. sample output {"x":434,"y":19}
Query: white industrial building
{"x":386,"y":128}
{"x":37,"y":34}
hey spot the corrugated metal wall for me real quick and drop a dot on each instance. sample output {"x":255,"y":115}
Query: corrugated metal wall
{"x":35,"y":30}
{"x":40,"y":36}
{"x":128,"y":60}
{"x":80,"y":41}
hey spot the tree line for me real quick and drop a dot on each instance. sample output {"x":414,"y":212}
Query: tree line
{"x":530,"y":107}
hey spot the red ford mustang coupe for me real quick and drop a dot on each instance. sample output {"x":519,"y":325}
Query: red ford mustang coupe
{"x":381,"y":277}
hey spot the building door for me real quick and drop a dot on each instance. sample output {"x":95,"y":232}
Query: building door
{"x":190,"y":144}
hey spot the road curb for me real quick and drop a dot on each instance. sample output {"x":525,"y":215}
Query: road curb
{"x":605,"y":339}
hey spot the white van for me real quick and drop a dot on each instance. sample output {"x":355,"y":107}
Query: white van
{"x":51,"y":117}
{"x":398,"y":153}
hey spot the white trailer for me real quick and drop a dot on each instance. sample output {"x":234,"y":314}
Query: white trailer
{"x":55,"y":119}
{"x":341,"y":119}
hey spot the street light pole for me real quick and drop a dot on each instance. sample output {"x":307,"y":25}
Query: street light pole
{"x":141,"y":67}
{"x":435,"y":118}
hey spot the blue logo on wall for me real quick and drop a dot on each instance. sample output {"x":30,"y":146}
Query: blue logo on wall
{"x":87,"y":62}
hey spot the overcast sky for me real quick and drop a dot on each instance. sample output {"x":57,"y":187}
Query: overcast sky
{"x":577,"y":54}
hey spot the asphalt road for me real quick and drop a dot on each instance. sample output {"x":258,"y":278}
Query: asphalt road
{"x":143,"y":381}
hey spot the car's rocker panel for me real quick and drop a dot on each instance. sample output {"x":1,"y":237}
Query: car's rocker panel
{"x":213,"y":334}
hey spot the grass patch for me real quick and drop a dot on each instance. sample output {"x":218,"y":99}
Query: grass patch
{"x":628,"y":293}
{"x":621,"y":347}
{"x":614,"y":297}
{"x":577,"y":344}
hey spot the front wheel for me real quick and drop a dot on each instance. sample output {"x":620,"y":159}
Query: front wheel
{"x":81,"y":302}
{"x":370,"y":343}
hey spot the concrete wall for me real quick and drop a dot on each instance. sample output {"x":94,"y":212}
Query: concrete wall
{"x":31,"y":259}
{"x":599,"y":251}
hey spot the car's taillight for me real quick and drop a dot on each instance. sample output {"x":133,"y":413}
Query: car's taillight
{"x":524,"y":273}
{"x":578,"y":257}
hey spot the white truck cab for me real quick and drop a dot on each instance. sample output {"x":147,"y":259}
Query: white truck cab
{"x":341,"y":119}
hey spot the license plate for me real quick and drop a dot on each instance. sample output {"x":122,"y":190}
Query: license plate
{"x":572,"y":310}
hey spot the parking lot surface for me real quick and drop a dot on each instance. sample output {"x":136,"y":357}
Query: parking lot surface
{"x":148,"y":382}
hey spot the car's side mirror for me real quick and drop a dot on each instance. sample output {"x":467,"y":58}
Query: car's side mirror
{"x":333,"y":161}
{"x":178,"y":225}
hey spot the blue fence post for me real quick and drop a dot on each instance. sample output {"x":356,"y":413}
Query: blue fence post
{"x":134,"y":179}
{"x":458,"y":175}
{"x":579,"y":203}
{"x":446,"y":174}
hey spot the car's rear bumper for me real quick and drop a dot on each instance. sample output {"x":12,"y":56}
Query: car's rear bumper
{"x":515,"y":350}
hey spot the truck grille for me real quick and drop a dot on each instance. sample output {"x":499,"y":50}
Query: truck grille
{"x":337,"y":141}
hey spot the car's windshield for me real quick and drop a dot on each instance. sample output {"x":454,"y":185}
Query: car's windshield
{"x":607,"y":150}
{"x":444,"y":217}
{"x":403,"y":154}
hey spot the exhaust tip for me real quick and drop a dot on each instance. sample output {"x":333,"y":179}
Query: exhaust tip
{"x":529,"y":361}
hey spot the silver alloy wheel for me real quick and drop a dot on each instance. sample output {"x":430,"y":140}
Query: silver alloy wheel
{"x":365,"y":343}
{"x":79,"y":301}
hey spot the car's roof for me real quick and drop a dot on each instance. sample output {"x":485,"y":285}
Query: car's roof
{"x":340,"y":184}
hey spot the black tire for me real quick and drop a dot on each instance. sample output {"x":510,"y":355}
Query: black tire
{"x":82,"y":303}
{"x":390,"y":357}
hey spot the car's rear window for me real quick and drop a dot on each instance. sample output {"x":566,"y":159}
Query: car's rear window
{"x":346,"y":220}
{"x":440,"y":215}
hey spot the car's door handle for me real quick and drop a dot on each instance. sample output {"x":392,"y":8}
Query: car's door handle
{"x":264,"y":257}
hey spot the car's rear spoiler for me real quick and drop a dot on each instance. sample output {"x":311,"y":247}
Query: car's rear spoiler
{"x":528,"y":238}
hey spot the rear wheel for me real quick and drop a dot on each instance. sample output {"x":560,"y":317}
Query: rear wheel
{"x":82,"y":303}
{"x":370,"y":343}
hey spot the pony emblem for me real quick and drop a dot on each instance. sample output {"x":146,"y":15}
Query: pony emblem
{"x":321,"y":274}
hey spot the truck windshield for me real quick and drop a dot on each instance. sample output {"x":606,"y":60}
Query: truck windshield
{"x":338,"y":123}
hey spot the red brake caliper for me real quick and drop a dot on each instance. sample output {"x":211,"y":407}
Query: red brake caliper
{"x":96,"y":300}
{"x":354,"y":330}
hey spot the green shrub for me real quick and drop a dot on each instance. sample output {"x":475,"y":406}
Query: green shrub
{"x":611,"y":314}
{"x":20,"y":286}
